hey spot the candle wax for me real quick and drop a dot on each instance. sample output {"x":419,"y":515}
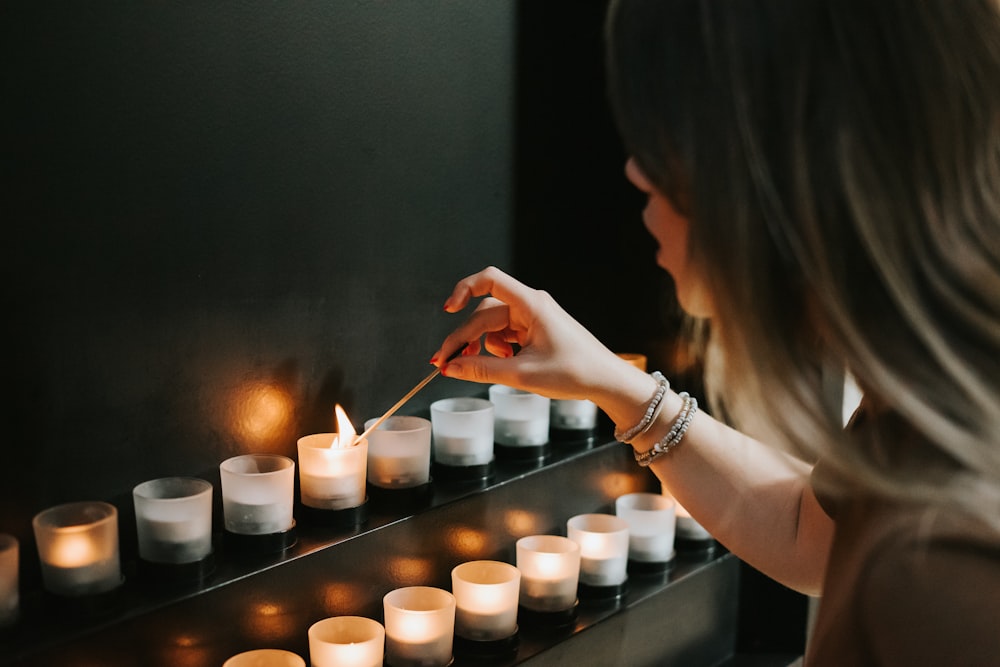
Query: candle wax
{"x":651,"y":548}
{"x":398,"y":471}
{"x":256,"y":519}
{"x":548,"y":594}
{"x":603,"y":571}
{"x":436,"y":652}
{"x":462,"y":451}
{"x":334,"y":492}
{"x":485,"y":626}
{"x":522,"y":432}
{"x":95,"y":577}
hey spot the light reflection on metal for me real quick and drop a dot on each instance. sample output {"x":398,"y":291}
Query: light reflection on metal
{"x":262,"y":416}
{"x":468,"y":543}
{"x":341,"y":598}
{"x":269,"y":622}
{"x":616,"y":484}
{"x":185,"y":650}
{"x":520,"y":523}
{"x":410,"y":571}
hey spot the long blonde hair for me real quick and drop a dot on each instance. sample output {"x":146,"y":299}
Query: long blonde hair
{"x":840,"y":164}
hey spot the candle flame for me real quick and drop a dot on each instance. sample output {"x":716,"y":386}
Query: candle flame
{"x":346,"y":435}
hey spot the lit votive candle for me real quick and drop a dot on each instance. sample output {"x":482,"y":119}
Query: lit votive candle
{"x":521,"y":417}
{"x":419,"y":627}
{"x":173,"y":517}
{"x":78,"y":548}
{"x":651,"y":519}
{"x":346,"y":641}
{"x":265,"y":657}
{"x":603,"y":540}
{"x":9,"y":578}
{"x":486,"y":594}
{"x":573,"y":415}
{"x":258,"y":493}
{"x":332,"y":477}
{"x":550,"y":571}
{"x":462,"y":430}
{"x":399,"y":452}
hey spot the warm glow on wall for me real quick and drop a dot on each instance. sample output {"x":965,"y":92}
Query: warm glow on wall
{"x":341,"y":598}
{"x":269,"y":622}
{"x":521,"y":522}
{"x":410,"y":571}
{"x":469,"y":543}
{"x":261,"y":416}
{"x":616,"y":484}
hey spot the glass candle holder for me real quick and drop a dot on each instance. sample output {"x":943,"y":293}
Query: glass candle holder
{"x":173,"y":519}
{"x":346,"y":641}
{"x":419,"y":627}
{"x":332,"y":478}
{"x":603,"y":540}
{"x":78,"y":548}
{"x":258,"y":493}
{"x":462,"y":431}
{"x":651,"y":519}
{"x":573,"y":415}
{"x":399,"y":452}
{"x":9,"y":579}
{"x":521,"y":418}
{"x":265,"y":657}
{"x":550,"y":571}
{"x":486,"y":594}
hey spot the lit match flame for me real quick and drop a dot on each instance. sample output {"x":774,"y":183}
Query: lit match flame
{"x":346,"y":435}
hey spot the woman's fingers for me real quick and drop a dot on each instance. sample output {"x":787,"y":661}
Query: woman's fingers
{"x":489,"y":281}
{"x":490,"y":316}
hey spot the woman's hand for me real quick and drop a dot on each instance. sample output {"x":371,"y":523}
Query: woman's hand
{"x":557,"y":356}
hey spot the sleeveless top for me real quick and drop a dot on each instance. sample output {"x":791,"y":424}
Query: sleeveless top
{"x":906,"y":583}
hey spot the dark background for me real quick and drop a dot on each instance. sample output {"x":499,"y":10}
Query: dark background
{"x":223,"y":218}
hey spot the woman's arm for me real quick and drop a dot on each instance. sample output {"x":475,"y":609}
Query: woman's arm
{"x":754,"y":499}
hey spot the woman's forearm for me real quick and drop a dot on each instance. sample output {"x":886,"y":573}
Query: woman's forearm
{"x":754,"y":499}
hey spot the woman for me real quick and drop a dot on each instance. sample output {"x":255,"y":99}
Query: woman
{"x":823,"y":179}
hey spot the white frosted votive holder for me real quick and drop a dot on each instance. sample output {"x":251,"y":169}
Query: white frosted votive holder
{"x":550,"y":573}
{"x":265,"y":657}
{"x":346,"y":641}
{"x":173,"y":520}
{"x":332,"y":478}
{"x":258,"y":496}
{"x":486,"y":594}
{"x":9,"y":580}
{"x":521,"y":423}
{"x":603,"y":540}
{"x":78,"y":548}
{"x":419,"y":627}
{"x":651,"y":521}
{"x":462,"y":438}
{"x":399,"y":452}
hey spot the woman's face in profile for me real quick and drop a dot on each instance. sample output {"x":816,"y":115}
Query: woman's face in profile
{"x":670,"y":229}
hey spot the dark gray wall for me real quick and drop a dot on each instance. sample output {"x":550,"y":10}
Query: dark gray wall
{"x":220,"y":219}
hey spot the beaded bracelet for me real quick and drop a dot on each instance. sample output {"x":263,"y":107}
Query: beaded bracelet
{"x":676,"y":433}
{"x":652,"y":410}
